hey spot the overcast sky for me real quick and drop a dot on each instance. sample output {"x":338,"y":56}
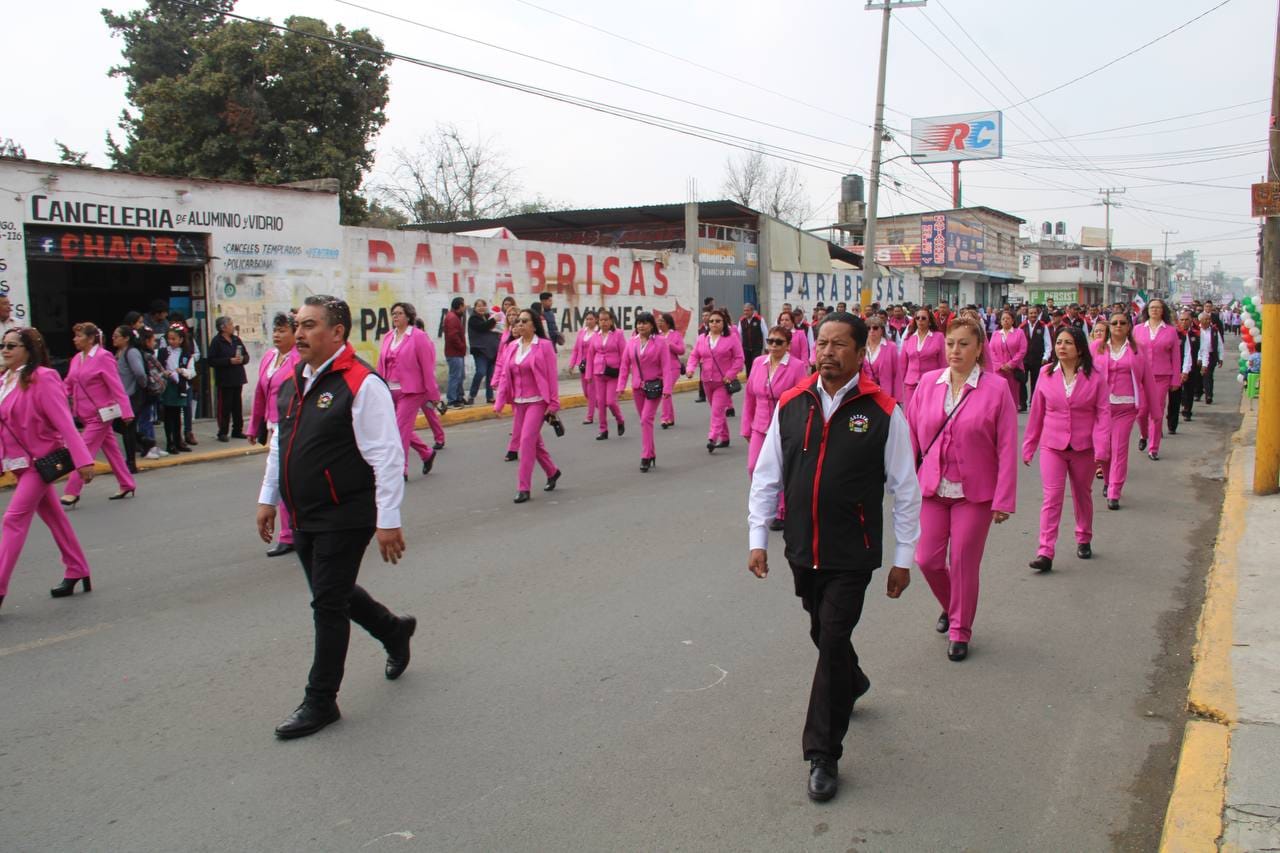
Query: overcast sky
{"x":805,"y":66}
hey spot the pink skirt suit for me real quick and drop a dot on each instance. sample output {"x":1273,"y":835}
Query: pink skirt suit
{"x":1128,"y":390}
{"x":266,"y":412}
{"x":1164,"y":357}
{"x":93,"y":383}
{"x":36,"y":422}
{"x":719,"y":364}
{"x":1008,"y":350}
{"x":530,"y":385}
{"x":675,"y":342}
{"x":969,"y":471}
{"x":1073,"y":433}
{"x":916,"y":359}
{"x":606,"y":351}
{"x":410,"y":371}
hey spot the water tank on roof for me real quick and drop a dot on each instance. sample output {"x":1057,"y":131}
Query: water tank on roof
{"x":851,"y":188}
{"x":1046,"y":229}
{"x":1060,"y":229}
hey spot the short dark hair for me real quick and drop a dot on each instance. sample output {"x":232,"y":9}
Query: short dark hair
{"x":646,"y":317}
{"x":457,"y":303}
{"x":1081,"y":341}
{"x":158,"y":305}
{"x":853,"y":321}
{"x":336,"y":311}
{"x":546,"y":294}
{"x":282,"y":319}
{"x":409,"y":311}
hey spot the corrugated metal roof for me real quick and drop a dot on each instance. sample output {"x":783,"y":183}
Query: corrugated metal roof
{"x":590,"y":217}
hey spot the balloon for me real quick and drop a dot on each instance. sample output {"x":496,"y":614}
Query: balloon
{"x":1239,"y":378}
{"x":1244,"y":347}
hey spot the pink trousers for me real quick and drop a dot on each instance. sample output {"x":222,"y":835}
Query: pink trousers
{"x":648,"y":411}
{"x":1055,"y":467}
{"x":606,"y":394}
{"x":962,"y":526}
{"x":98,"y":435}
{"x":1015,"y":389}
{"x":433,"y":420}
{"x":407,"y":408}
{"x":33,"y":496}
{"x":718,"y":397}
{"x":527,"y":424}
{"x":1155,"y":411}
{"x":1122,"y":420}
{"x":669,"y":409}
{"x":908,"y":391}
{"x":589,"y":391}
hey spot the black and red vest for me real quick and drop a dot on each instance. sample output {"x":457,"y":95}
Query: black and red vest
{"x":324,"y":480}
{"x":833,"y":476}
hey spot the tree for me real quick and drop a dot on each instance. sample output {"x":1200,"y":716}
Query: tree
{"x":380,"y":215}
{"x":245,"y":101}
{"x":778,"y":191}
{"x":1186,"y":262}
{"x":449,"y":177}
{"x":9,"y":148}
{"x":71,"y":156}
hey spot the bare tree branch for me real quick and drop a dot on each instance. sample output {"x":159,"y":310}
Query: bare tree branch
{"x":778,"y":191}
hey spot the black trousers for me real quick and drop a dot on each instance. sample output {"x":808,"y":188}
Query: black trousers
{"x":750,"y":358}
{"x":1206,"y":381}
{"x":833,"y":600}
{"x":331,"y":562}
{"x":1179,"y":398}
{"x":173,"y":427}
{"x":230,"y":410}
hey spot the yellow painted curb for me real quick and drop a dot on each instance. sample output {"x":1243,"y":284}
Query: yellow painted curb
{"x":1193,"y":821}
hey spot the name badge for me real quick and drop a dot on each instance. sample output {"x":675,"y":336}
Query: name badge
{"x":394,"y":386}
{"x":110,"y":413}
{"x":15,"y":464}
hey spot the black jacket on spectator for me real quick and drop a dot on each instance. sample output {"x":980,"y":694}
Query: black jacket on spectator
{"x":221,"y":351}
{"x":483,"y":336}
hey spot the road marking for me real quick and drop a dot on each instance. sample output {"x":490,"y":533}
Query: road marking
{"x":1194,"y":819}
{"x":49,"y":641}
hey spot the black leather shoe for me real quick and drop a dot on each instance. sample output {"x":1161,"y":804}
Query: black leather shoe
{"x":602,"y":436}
{"x":944,"y":624}
{"x":1153,"y":456}
{"x":223,"y":439}
{"x":511,"y":456}
{"x":778,"y":524}
{"x":723,"y":444}
{"x":427,"y":463}
{"x":1142,"y":444}
{"x":730,"y":412}
{"x":551,"y":481}
{"x":398,"y":653}
{"x":622,"y":429}
{"x":1085,"y":551}
{"x":823,"y":781}
{"x":308,"y":719}
{"x":711,"y":446}
{"x":644,"y":465}
{"x":280,"y":549}
{"x":439,"y":445}
{"x":860,"y":687}
{"x":521,"y":497}
{"x":1042,"y":564}
{"x":238,"y":435}
{"x":1113,"y":504}
{"x":68,"y":587}
{"x":957,"y":651}
{"x":1186,"y":416}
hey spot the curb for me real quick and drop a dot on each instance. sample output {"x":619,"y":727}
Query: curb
{"x":1193,"y":820}
{"x":453,"y":417}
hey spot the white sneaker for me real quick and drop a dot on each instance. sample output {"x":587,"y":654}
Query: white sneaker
{"x":153,"y":453}
{"x":161,"y":452}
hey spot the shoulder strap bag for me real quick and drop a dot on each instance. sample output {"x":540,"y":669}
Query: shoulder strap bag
{"x":921,"y":455}
{"x":733,"y":385}
{"x":652,"y":387}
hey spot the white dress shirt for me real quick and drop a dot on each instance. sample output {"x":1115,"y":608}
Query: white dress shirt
{"x":373,"y":417}
{"x":1206,"y":346}
{"x":900,"y":479}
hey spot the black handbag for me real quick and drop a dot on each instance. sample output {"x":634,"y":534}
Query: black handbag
{"x":611,"y":372}
{"x":52,"y":466}
{"x":557,"y":425}
{"x":652,"y":387}
{"x":733,"y":386}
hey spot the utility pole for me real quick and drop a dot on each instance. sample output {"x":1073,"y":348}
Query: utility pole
{"x":1164,"y":261}
{"x":1106,"y":265}
{"x":870,"y":270}
{"x":1266,"y":468}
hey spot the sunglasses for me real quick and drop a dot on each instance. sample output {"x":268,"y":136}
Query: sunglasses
{"x":9,"y":346}
{"x":776,"y":342}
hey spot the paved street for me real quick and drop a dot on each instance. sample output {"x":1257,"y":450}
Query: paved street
{"x":595,"y":670}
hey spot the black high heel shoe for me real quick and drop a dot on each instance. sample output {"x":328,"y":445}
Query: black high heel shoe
{"x":622,"y":429}
{"x":644,"y":464}
{"x":68,"y":587}
{"x":602,"y":436}
{"x":521,"y":497}
{"x":69,"y":504}
{"x":711,"y":446}
{"x":127,"y":493}
{"x":551,"y":482}
{"x":511,"y":456}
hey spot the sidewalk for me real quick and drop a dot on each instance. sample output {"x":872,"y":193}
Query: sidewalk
{"x":210,"y":449}
{"x":1227,"y":791}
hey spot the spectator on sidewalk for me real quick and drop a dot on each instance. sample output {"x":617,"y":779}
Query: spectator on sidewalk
{"x":227,"y":357}
{"x":133,"y":377}
{"x":455,"y":350}
{"x":545,"y":300}
{"x":6,"y":315}
{"x":157,"y":318}
{"x":483,"y":336}
{"x":190,"y":348}
{"x":179,"y":370}
{"x":146,"y":420}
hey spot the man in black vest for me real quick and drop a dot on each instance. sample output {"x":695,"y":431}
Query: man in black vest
{"x":751,"y":332}
{"x":1210,"y":355}
{"x":837,"y":441}
{"x":337,"y":461}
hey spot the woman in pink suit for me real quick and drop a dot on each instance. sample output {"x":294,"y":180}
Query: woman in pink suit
{"x":799,"y":348}
{"x":1008,"y":352}
{"x":406,"y":359}
{"x":34,"y":422}
{"x":578,"y":361}
{"x":1070,"y":423}
{"x":921,"y":351}
{"x":964,"y":427}
{"x":1161,"y":348}
{"x":719,"y":354}
{"x":605,"y":353}
{"x":274,"y":368}
{"x":1118,"y":359}
{"x":648,"y":360}
{"x":675,"y":342}
{"x":499,"y":371}
{"x":97,"y":399}
{"x":881,"y":360}
{"x":533,"y":390}
{"x":771,"y":375}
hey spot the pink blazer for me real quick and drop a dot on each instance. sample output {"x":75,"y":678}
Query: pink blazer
{"x":1126,"y":376}
{"x":675,"y":342}
{"x":266,"y":393}
{"x":886,"y":369}
{"x":1082,"y":422}
{"x":653,"y":363}
{"x":1163,"y":355}
{"x":762,"y":392}
{"x":40,"y":416}
{"x":980,"y":441}
{"x":1011,"y":352}
{"x":93,"y":383}
{"x":412,"y":366}
{"x":541,"y":361}
{"x":800,"y":346}
{"x":579,"y":353}
{"x":913,"y":363}
{"x":605,"y":352}
{"x":500,"y":363}
{"x":722,"y":363}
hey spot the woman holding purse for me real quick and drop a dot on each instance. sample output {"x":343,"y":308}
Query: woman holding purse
{"x":1127,"y":394}
{"x":38,"y":443}
{"x":533,"y":390}
{"x":1070,"y":424}
{"x":719,"y":354}
{"x":578,"y":361}
{"x":964,"y":428}
{"x":650,"y":358}
{"x":98,"y":400}
{"x":675,"y":342}
{"x":605,"y":353}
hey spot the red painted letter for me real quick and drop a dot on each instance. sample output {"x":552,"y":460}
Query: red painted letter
{"x":637,"y":279}
{"x":537,"y":266}
{"x":611,"y":283}
{"x":465,"y":264}
{"x":381,"y":256}
{"x":566,"y":270}
{"x":503,"y":279}
{"x":659,"y":289}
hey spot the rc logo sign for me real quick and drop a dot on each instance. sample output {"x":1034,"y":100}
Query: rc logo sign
{"x":945,"y":139}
